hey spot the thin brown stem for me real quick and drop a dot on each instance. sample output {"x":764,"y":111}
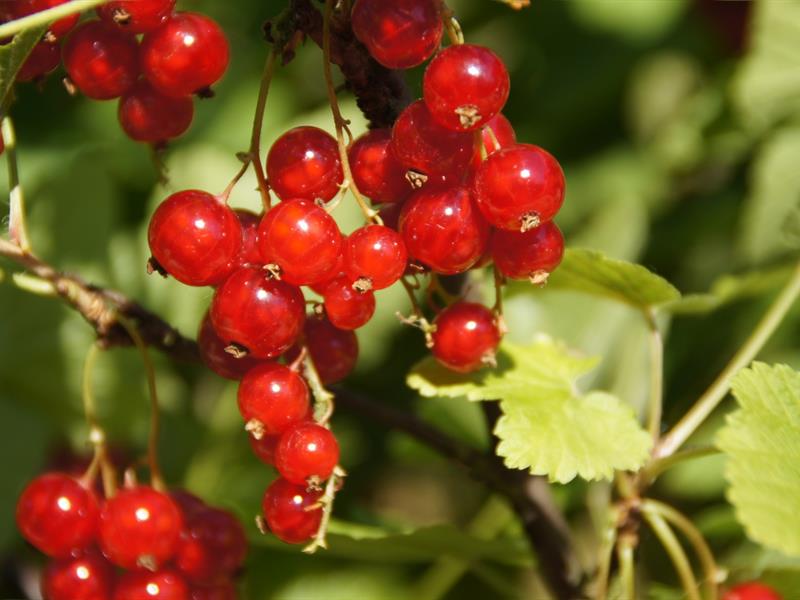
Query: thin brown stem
{"x":258,"y":124}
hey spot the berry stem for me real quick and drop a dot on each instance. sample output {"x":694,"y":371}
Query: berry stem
{"x":258,"y":124}
{"x":97,"y":436}
{"x":675,"y":552}
{"x":656,"y":399}
{"x":417,"y":318}
{"x":625,"y":549}
{"x":453,"y":27}
{"x":17,"y":226}
{"x":226,"y":193}
{"x":607,"y":543}
{"x":499,"y":282}
{"x":45,"y":17}
{"x":649,"y":474}
{"x":323,"y":399}
{"x":327,"y":499}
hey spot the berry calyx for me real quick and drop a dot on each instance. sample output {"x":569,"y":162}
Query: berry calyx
{"x":259,"y":314}
{"x":466,"y":337}
{"x":292,"y":512}
{"x":43,"y":59}
{"x":304,"y":163}
{"x":271,"y":399}
{"x":214,"y":355}
{"x":213,"y":546}
{"x":375,"y":257}
{"x":147,"y":115}
{"x":376,"y":171}
{"x":57,"y":30}
{"x":186,"y":54}
{"x":57,"y":514}
{"x":345,"y":307}
{"x":195,"y":237}
{"x":752,"y":590}
{"x":86,"y":577}
{"x":136,"y":16}
{"x":531,"y":255}
{"x":333,"y":351}
{"x":160,"y":585}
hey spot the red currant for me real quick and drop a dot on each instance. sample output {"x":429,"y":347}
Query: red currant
{"x":136,"y":16}
{"x":345,"y":307}
{"x":188,"y":53}
{"x":375,"y":257}
{"x":147,"y":115}
{"x":102,"y":62}
{"x":466,"y":337}
{"x":519,"y":187}
{"x":291,"y":511}
{"x":195,"y":237}
{"x":496,"y":134}
{"x":189,"y":504}
{"x":43,"y":59}
{"x":249,"y":256}
{"x":216,"y":358}
{"x":87,"y":577}
{"x":302,"y":239}
{"x":273,"y":398}
{"x":390,"y":215}
{"x":159,"y":585}
{"x":376,"y":171}
{"x":304,"y":163}
{"x":213,"y":546}
{"x":531,"y":255}
{"x":140,"y":527}
{"x":23,"y":8}
{"x":264,"y":449}
{"x":752,"y":591}
{"x":306,"y":450}
{"x":443,"y":229}
{"x":258,"y":313}
{"x":400,"y":34}
{"x":224,"y":590}
{"x":57,"y":514}
{"x":334,"y":351}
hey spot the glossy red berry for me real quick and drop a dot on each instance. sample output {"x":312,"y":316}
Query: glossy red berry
{"x":519,"y":187}
{"x":443,"y":229}
{"x":302,"y":239}
{"x":466,"y":337}
{"x":195,"y":237}
{"x":189,"y":504}
{"x":188,"y":53}
{"x":264,"y":449}
{"x":43,"y":59}
{"x":345,"y":307}
{"x":23,"y":8}
{"x":249,"y":256}
{"x":752,"y":590}
{"x":304,"y":163}
{"x":147,"y":585}
{"x":87,"y":577}
{"x":140,"y":527}
{"x":224,"y":590}
{"x":375,"y":257}
{"x":497,"y":133}
{"x":57,"y":514}
{"x":147,"y":115}
{"x":213,"y":546}
{"x":291,"y":511}
{"x":376,"y":171}
{"x":102,"y":62}
{"x":258,"y":313}
{"x":306,"y":450}
{"x":400,"y":34}
{"x":216,"y":358}
{"x":427,"y":149}
{"x":531,"y":255}
{"x":136,"y":16}
{"x":333,"y":350}
{"x":390,"y":215}
{"x":272,"y":398}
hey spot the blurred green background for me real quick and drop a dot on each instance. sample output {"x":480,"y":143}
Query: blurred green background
{"x":676,"y":123}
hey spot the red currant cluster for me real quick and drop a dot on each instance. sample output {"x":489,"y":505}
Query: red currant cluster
{"x":179,"y":54}
{"x":139,"y":543}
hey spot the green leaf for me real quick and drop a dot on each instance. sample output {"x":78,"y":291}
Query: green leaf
{"x":762,"y":441}
{"x":547,"y":425}
{"x":13,"y":55}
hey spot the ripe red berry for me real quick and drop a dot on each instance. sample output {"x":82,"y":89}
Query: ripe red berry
{"x":212,"y":351}
{"x":531,"y":255}
{"x":87,"y":577}
{"x":291,"y":511}
{"x":212,"y":547}
{"x":519,"y":187}
{"x":224,"y":590}
{"x":188,"y":53}
{"x":466,"y":337}
{"x":273,"y":398}
{"x":390,"y":215}
{"x":140,"y":527}
{"x":306,"y":450}
{"x":258,"y":313}
{"x":465,"y":86}
{"x":334,"y":351}
{"x":443,"y":229}
{"x":43,"y":59}
{"x":159,"y":585}
{"x":189,"y":504}
{"x":376,"y":171}
{"x":147,"y":115}
{"x":249,"y":256}
{"x":428,"y":149}
{"x":752,"y":591}
{"x":23,"y":8}
{"x":302,"y":239}
{"x":497,"y":133}
{"x":400,"y":34}
{"x":264,"y":449}
{"x":57,"y":514}
{"x":136,"y":16}
{"x":195,"y":237}
{"x":345,"y":307}
{"x":304,"y":163}
{"x":375,"y":257}
{"x":102,"y":62}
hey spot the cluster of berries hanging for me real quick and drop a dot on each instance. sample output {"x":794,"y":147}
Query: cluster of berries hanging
{"x":138,"y":543}
{"x":140,"y":51}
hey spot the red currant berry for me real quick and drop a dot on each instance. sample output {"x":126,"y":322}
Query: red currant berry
{"x":345,"y":307}
{"x":496,"y":134}
{"x":57,"y":30}
{"x":57,"y":514}
{"x":428,"y":149}
{"x":390,"y":215}
{"x":376,"y":171}
{"x":224,"y":590}
{"x":258,"y":313}
{"x":160,"y":585}
{"x":147,"y":115}
{"x":752,"y":591}
{"x":306,"y":450}
{"x":375,"y":257}
{"x":291,"y":511}
{"x":400,"y":34}
{"x":136,"y":16}
{"x":466,"y":337}
{"x":216,"y":358}
{"x":212,"y":547}
{"x":272,"y":398}
{"x":195,"y":237}
{"x":519,"y":187}
{"x":188,"y":53}
{"x":264,"y":449}
{"x":189,"y":504}
{"x":443,"y":229}
{"x":87,"y":577}
{"x":304,"y":163}
{"x":249,"y":256}
{"x":43,"y":59}
{"x":102,"y":62}
{"x":334,"y":351}
{"x":531,"y":255}
{"x":465,"y":86}
{"x":302,"y":239}
{"x":140,"y":527}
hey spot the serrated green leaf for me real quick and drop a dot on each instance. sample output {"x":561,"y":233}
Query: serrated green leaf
{"x":13,"y":55}
{"x":762,"y":442}
{"x":547,"y":425}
